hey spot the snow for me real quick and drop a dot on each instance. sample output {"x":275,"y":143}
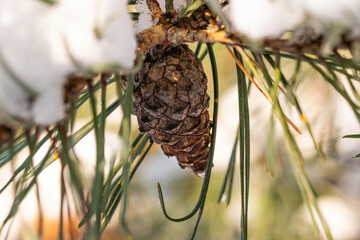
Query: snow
{"x":33,"y":51}
{"x":328,"y":14}
{"x":178,"y":4}
{"x":270,"y":18}
{"x":145,"y":19}
{"x":111,"y":18}
{"x":39,"y":44}
{"x":262,"y":18}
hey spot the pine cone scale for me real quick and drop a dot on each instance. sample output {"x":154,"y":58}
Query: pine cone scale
{"x":169,"y":125}
{"x":154,"y":107}
{"x":147,"y":91}
{"x":164,"y":90}
{"x":193,"y":125}
{"x":156,"y":73}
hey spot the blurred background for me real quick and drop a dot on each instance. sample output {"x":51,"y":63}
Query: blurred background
{"x":276,"y":209}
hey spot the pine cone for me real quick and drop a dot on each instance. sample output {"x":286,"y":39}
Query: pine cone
{"x":171,"y":104}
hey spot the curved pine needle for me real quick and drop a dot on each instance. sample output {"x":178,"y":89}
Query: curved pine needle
{"x":261,"y":67}
{"x":246,"y":73}
{"x":247,"y":57}
{"x":189,"y":7}
{"x":31,"y":144}
{"x":124,"y":134}
{"x":229,"y":175}
{"x":10,"y":150}
{"x":348,"y":76}
{"x":335,"y":83}
{"x":99,"y":128}
{"x":198,"y":48}
{"x":115,"y":187}
{"x":23,"y":191}
{"x":203,"y":54}
{"x":244,"y":146}
{"x":297,"y":161}
{"x":201,"y":201}
{"x":182,"y":219}
{"x":352,"y":136}
{"x":119,"y":191}
{"x":169,"y":5}
{"x":295,"y":102}
{"x":137,"y":139}
{"x":258,"y":87}
{"x":213,"y":137}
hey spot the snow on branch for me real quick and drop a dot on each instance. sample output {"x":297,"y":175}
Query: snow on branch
{"x":270,"y":18}
{"x":42,"y":44}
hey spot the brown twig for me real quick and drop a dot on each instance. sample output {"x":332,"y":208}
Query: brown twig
{"x":155,"y":9}
{"x":168,"y":31}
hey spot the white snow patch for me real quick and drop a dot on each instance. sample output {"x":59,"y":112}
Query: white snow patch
{"x":262,"y":18}
{"x":270,"y":18}
{"x":145,"y":19}
{"x":33,"y":51}
{"x":38,"y":42}
{"x":178,"y":5}
{"x":110,"y":17}
{"x":324,"y":14}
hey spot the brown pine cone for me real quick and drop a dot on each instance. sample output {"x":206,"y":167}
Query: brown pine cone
{"x":171,"y":104}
